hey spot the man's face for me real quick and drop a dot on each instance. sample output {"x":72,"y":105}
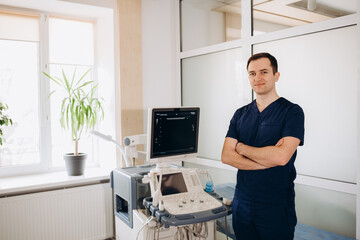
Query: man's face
{"x":261,"y":76}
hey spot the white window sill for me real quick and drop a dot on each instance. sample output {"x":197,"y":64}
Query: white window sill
{"x":11,"y":186}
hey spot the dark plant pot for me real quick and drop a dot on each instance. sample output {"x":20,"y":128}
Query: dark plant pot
{"x":75,"y":164}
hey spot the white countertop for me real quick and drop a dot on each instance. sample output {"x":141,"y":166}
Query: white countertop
{"x":49,"y":181}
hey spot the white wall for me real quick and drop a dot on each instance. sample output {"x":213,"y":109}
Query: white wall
{"x":105,"y":56}
{"x":159,"y":54}
{"x":322,"y":66}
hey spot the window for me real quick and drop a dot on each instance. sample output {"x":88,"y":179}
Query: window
{"x":31,"y":43}
{"x":207,"y":22}
{"x":19,"y":81}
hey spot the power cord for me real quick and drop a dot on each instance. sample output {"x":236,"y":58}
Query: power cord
{"x":146,"y":222}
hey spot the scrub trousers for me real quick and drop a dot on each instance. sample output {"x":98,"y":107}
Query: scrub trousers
{"x":254,"y":221}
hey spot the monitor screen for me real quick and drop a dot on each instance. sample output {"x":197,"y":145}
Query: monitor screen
{"x":172,"y":183}
{"x":173,"y":132}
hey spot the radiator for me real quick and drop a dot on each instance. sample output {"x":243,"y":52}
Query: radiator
{"x":75,"y":213}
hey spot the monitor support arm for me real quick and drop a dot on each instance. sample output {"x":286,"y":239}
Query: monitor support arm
{"x":131,"y":142}
{"x":110,"y":139}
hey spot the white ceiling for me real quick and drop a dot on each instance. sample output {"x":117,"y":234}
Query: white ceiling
{"x":291,"y":12}
{"x":343,"y":5}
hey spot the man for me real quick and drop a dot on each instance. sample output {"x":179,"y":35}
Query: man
{"x":261,"y":142}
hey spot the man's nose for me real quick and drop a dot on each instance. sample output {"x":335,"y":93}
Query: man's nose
{"x":257,"y":77}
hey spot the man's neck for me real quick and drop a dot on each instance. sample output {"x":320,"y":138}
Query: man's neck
{"x":262,"y":101}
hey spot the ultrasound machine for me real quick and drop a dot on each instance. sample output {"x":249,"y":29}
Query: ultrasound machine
{"x":162,"y":200}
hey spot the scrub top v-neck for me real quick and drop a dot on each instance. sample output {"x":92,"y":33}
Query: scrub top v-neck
{"x":259,"y":129}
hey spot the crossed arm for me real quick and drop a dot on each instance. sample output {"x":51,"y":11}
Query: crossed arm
{"x":246,"y":157}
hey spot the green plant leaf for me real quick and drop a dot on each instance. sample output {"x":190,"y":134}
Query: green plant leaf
{"x":90,"y":115}
{"x":80,"y":109}
{"x":66,"y":82}
{"x":3,"y":106}
{"x":53,"y":79}
{"x":73,"y":78}
{"x":5,"y":120}
{"x":78,"y":95}
{"x":81,"y":118}
{"x":93,"y":90}
{"x":63,"y":104}
{"x":83,"y":85}
{"x":62,"y":121}
{"x":68,"y":108}
{"x":51,"y":93}
{"x":77,"y":118}
{"x":101,"y":108}
{"x":83,"y":76}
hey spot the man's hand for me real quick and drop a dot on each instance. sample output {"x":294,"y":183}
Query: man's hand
{"x":231,"y":157}
{"x":239,"y":148}
{"x":280,"y":142}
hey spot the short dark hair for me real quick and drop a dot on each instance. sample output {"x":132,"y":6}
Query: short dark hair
{"x":272,"y":59}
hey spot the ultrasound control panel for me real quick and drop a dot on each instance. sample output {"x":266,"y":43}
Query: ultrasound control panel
{"x":182,"y":192}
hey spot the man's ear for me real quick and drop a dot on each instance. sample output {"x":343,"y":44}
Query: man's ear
{"x":277,"y":76}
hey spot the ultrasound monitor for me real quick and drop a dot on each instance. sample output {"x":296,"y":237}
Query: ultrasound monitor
{"x":172,"y":134}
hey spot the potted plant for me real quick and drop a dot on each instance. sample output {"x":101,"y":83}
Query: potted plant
{"x":80,"y":111}
{"x":5,"y":120}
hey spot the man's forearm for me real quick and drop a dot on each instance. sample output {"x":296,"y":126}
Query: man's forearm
{"x":270,"y":156}
{"x":240,"y":162}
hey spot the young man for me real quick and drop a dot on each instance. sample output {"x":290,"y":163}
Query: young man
{"x":261,"y":142}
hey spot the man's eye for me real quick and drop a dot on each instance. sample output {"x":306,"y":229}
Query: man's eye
{"x":251,"y":74}
{"x":264,"y":72}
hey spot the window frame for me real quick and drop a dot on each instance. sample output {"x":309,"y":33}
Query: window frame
{"x":45,"y":148}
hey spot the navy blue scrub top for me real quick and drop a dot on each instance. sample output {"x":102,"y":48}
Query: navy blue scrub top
{"x":280,"y":119}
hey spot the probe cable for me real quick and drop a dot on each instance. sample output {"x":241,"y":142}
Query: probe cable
{"x":198,"y":230}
